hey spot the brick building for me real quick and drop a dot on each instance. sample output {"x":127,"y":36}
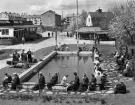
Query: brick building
{"x":51,"y":19}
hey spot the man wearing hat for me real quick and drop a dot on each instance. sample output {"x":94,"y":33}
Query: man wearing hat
{"x":7,"y":79}
{"x":41,"y":82}
{"x":16,"y":81}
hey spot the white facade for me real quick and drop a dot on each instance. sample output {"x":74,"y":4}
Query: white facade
{"x":4,"y":16}
{"x":6,"y":32}
{"x":35,"y":20}
{"x":89,"y":21}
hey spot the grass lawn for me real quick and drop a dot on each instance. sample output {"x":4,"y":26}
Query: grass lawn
{"x":4,"y":54}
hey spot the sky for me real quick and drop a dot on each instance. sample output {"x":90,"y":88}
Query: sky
{"x":67,"y":6}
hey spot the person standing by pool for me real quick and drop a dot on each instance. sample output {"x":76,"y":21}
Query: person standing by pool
{"x":41,"y":82}
{"x":84,"y":84}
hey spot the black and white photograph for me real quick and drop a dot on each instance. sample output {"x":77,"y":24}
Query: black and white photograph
{"x":67,"y":52}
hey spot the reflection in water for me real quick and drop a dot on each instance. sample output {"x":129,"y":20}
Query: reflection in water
{"x":67,"y":65}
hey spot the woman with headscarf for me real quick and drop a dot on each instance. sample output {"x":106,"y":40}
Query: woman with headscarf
{"x":84,"y":84}
{"x":92,"y":83}
{"x":53,"y":81}
{"x":16,"y":81}
{"x":74,"y":84}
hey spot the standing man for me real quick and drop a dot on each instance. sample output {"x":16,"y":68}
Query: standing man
{"x":29,"y":53}
{"x":23,"y":40}
{"x":41,"y":82}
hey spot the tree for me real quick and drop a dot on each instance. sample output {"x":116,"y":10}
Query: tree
{"x":122,"y":26}
{"x":81,"y":21}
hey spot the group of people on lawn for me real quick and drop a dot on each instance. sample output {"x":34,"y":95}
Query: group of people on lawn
{"x":123,"y":63}
{"x":25,"y":57}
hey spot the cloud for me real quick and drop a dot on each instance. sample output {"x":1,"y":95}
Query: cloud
{"x":68,"y":6}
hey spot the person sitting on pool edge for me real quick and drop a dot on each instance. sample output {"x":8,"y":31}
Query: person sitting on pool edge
{"x":74,"y":84}
{"x":15,"y":82}
{"x":7,"y":80}
{"x":84,"y":84}
{"x":53,"y":81}
{"x":64,"y":80}
{"x":92,"y":83}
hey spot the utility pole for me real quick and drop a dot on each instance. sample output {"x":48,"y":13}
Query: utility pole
{"x":77,"y":25}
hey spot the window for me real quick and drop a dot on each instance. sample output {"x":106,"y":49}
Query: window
{"x":5,"y":32}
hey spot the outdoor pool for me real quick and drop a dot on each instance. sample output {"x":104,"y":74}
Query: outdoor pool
{"x":67,"y":65}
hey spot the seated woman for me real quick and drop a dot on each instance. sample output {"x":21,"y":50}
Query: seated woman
{"x":64,"y":80}
{"x":53,"y":81}
{"x":41,"y":83}
{"x":74,"y":84}
{"x":16,"y":81}
{"x":120,"y":88}
{"x":92,"y":83}
{"x":128,"y":71}
{"x":84,"y":84}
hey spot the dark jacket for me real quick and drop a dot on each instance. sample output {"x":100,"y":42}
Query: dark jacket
{"x":54,"y":79}
{"x":41,"y":80}
{"x":9,"y":78}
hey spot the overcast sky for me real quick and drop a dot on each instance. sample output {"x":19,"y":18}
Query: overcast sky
{"x":67,"y":6}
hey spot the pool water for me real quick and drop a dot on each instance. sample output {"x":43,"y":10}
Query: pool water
{"x":67,"y":65}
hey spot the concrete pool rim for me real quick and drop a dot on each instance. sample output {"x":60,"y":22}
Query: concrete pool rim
{"x":39,"y":65}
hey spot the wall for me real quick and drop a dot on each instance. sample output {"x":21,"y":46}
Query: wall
{"x":37,"y":67}
{"x":57,"y":20}
{"x":11,"y":30}
{"x":48,"y":19}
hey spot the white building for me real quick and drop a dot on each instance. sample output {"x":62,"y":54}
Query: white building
{"x":36,"y":19}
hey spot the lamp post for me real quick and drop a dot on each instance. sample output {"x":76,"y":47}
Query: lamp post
{"x":77,"y":25}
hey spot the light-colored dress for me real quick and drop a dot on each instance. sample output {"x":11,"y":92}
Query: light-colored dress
{"x":64,"y":81}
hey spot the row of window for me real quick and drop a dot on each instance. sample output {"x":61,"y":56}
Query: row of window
{"x":4,"y":31}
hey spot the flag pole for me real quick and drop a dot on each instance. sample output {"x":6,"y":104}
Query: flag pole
{"x":77,"y":25}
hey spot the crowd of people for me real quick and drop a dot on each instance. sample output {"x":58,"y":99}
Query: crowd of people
{"x":98,"y":79}
{"x":15,"y":81}
{"x":123,"y":64}
{"x":61,"y":47}
{"x":24,"y":58}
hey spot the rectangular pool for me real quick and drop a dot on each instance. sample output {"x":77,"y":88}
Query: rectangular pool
{"x":67,"y":65}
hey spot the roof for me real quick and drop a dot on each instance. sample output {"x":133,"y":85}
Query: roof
{"x":101,"y":19}
{"x":33,"y":16}
{"x":51,"y":12}
{"x":20,"y":26}
{"x":89,"y":29}
{"x":14,"y":22}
